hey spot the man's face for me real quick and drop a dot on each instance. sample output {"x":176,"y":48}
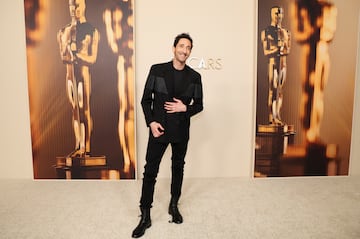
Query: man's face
{"x":277,"y":15}
{"x":182,"y":50}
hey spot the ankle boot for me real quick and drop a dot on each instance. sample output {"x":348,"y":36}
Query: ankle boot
{"x":145,"y":223}
{"x":174,"y":211}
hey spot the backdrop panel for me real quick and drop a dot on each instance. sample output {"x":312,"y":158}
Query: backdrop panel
{"x":306,"y":59}
{"x":80,"y":57}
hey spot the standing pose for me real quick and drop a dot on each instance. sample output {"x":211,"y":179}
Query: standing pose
{"x":172,"y":94}
{"x":314,"y":25}
{"x":119,"y":30}
{"x":276,"y":45}
{"x":78,"y":42}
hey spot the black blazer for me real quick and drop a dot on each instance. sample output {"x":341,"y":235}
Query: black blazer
{"x":159,"y":89}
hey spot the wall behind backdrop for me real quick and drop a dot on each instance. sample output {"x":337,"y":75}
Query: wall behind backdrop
{"x":221,"y":143}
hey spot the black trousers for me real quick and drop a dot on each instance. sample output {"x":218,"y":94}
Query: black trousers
{"x":154,"y":154}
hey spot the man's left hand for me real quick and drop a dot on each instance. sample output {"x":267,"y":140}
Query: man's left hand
{"x":174,"y":106}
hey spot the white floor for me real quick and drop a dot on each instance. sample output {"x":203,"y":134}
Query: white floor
{"x":324,"y":207}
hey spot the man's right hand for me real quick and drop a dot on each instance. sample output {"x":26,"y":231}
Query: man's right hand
{"x":156,"y":129}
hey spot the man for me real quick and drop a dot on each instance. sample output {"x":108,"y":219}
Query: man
{"x":78,"y":43}
{"x":276,"y":45}
{"x":172,"y":94}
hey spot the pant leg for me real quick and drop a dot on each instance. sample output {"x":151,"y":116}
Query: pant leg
{"x":154,"y":153}
{"x":177,"y":167}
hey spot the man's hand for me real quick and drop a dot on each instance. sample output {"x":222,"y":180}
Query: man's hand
{"x":176,"y":106}
{"x":156,"y":129}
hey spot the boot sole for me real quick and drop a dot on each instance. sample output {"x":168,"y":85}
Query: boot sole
{"x":140,"y":235}
{"x":176,"y":222}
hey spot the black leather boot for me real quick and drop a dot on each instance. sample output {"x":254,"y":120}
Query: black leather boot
{"x":145,"y":223}
{"x":174,"y":211}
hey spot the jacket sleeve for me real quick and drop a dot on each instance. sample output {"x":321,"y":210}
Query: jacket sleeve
{"x":196,"y":105}
{"x":147,"y":98}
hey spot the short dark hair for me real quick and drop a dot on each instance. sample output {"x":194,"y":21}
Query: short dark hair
{"x":183,"y":35}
